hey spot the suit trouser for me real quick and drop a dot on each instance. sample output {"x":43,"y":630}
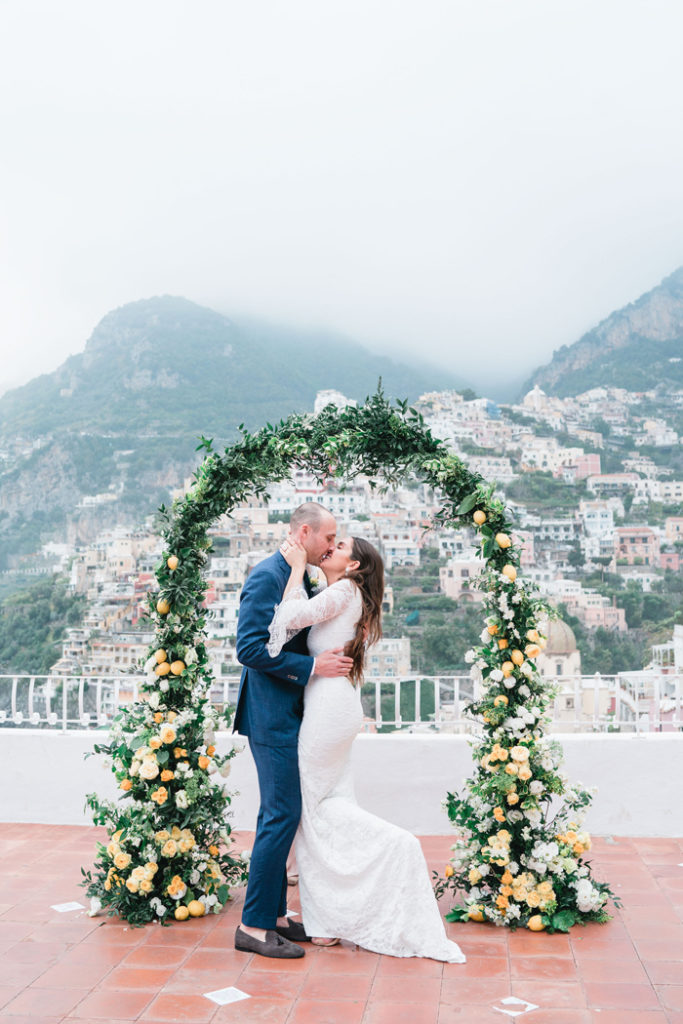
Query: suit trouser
{"x":278,"y":819}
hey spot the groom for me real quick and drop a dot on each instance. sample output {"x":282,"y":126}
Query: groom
{"x":269,"y":712}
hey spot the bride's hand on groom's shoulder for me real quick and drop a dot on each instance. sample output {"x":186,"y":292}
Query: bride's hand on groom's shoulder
{"x":294,"y":554}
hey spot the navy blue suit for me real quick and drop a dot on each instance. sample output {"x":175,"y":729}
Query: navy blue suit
{"x":270,"y":707}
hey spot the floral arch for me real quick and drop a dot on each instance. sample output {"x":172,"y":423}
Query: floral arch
{"x":519,"y":856}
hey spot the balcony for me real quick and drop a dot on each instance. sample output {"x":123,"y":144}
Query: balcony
{"x":66,"y":966}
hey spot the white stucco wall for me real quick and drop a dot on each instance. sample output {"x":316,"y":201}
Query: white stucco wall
{"x":404,"y":778}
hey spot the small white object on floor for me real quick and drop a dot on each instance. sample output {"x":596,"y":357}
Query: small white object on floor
{"x":64,"y":908}
{"x":514,"y":1001}
{"x":292,"y":913}
{"x":223,"y":996}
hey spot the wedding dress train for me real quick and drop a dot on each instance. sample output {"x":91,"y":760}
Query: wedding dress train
{"x":360,"y":877}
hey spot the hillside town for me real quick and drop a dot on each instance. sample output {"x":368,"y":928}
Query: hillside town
{"x":597,"y":528}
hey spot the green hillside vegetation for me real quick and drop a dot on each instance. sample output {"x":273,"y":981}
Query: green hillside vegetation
{"x":641,"y":365}
{"x":167,"y":366}
{"x":32,"y":625}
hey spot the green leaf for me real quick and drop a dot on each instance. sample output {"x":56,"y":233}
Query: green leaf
{"x":223,"y":895}
{"x":563,"y":920}
{"x":468,"y":503}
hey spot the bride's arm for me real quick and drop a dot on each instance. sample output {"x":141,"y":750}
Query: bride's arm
{"x":296,"y":612}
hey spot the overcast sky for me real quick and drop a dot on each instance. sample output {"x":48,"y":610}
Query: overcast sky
{"x":472,"y":182}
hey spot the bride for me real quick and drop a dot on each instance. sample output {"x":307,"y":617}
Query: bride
{"x":361,"y":878}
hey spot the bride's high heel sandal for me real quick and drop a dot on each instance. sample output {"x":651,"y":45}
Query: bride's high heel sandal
{"x":325,"y":942}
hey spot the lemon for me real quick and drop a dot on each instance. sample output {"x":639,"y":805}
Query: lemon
{"x":510,"y":572}
{"x":172,"y":562}
{"x":507,"y":668}
{"x":476,"y":914}
{"x":532,"y":650}
{"x":163,"y":669}
{"x":532,"y":634}
{"x":196,"y":908}
{"x":181,"y":912}
{"x":479,"y":517}
{"x":492,"y":630}
{"x":161,"y":655}
{"x":517,"y":657}
{"x":502,"y":540}
{"x":163,"y":607}
{"x":535,"y":923}
{"x":177,"y":667}
{"x":502,"y":644}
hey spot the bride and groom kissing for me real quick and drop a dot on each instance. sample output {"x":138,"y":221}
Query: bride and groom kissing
{"x":361,"y":879}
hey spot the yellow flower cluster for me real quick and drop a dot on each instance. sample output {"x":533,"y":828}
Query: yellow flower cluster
{"x":498,"y":753}
{"x":176,"y":841}
{"x":578,"y":841}
{"x":141,"y":879}
{"x":499,"y":847}
{"x":177,"y":888}
{"x":525,"y":889}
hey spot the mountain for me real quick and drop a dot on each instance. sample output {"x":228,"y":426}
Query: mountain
{"x":122,"y":418}
{"x":166,"y":366}
{"x":637,"y":347}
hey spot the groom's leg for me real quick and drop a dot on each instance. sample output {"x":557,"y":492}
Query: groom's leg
{"x":278,"y":775}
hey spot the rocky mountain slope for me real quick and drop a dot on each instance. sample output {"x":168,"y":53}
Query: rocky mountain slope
{"x":637,"y":347}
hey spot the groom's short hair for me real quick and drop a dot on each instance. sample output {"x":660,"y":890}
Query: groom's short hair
{"x":309,"y":514}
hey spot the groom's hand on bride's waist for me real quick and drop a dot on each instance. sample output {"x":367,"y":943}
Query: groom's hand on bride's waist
{"x":332,"y":663}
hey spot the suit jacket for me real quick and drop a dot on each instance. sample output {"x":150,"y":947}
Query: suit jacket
{"x":270,"y":704}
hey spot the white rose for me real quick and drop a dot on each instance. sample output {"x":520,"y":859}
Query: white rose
{"x":153,"y":699}
{"x":164,"y":685}
{"x":190,"y":656}
{"x":225,"y":769}
{"x":509,"y":682}
{"x":469,"y":657}
{"x":150,"y":663}
{"x":245,"y":856}
{"x":181,"y":800}
{"x":524,"y":691}
{"x":149,"y":769}
{"x":536,"y":788}
{"x":496,"y":675}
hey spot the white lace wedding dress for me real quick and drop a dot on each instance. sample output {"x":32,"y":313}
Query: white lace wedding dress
{"x":360,"y":877}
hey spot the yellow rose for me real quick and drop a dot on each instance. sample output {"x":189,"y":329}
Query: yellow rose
{"x":501,"y":699}
{"x":474,"y":876}
{"x":160,"y":795}
{"x":167,"y":775}
{"x":214,"y":851}
{"x":113,"y":848}
{"x":519,"y":754}
{"x":167,"y":734}
{"x":122,"y":860}
{"x":146,"y":885}
{"x":203,"y":762}
{"x":211,"y":750}
{"x":151,"y":868}
{"x":511,"y":769}
{"x":533,"y":899}
{"x":506,"y":878}
{"x":512,"y":799}
{"x":524,"y":774}
{"x":506,"y":890}
{"x":132,"y":885}
{"x":149,"y":769}
{"x":138,"y":873}
{"x":162,"y":836}
{"x":126,"y":784}
{"x":158,"y":717}
{"x":185,"y":845}
{"x":545,"y":887}
{"x":176,"y":833}
{"x":502,"y":902}
{"x":499,"y":814}
{"x":155,"y":743}
{"x":172,"y":715}
{"x":170,"y":848}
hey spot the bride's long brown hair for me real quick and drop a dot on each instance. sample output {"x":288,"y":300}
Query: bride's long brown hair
{"x":369,"y":578}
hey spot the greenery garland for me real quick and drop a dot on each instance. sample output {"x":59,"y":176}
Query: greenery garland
{"x":169,"y":854}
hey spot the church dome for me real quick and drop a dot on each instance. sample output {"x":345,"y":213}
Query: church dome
{"x":560,"y":637}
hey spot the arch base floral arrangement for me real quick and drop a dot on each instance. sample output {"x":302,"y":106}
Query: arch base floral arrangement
{"x":169,"y":854}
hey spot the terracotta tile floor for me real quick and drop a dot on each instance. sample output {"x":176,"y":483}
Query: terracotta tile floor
{"x":58,"y":967}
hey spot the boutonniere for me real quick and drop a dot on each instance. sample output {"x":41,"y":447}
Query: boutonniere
{"x":314,"y":581}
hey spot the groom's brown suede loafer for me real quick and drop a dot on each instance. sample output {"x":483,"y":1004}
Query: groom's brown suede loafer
{"x":273,"y":945}
{"x":294,"y":931}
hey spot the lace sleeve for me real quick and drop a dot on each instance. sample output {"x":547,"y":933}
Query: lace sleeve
{"x":297,"y":612}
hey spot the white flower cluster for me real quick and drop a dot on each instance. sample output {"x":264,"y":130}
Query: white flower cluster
{"x":588,"y":898}
{"x":541,"y":856}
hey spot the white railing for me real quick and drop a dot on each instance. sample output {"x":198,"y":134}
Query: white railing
{"x":637,"y":702}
